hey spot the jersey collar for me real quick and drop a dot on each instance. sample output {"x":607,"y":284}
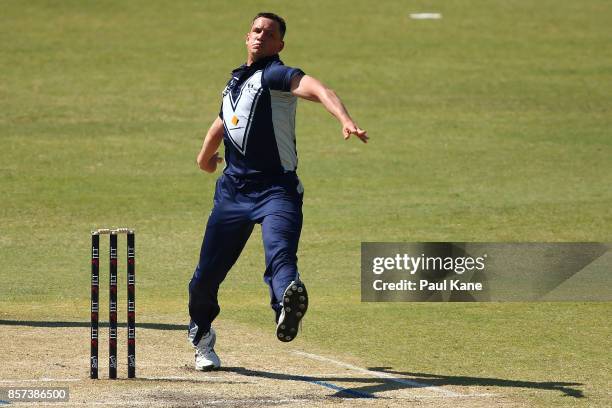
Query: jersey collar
{"x":258,"y":64}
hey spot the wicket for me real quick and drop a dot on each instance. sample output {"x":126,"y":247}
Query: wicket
{"x":112,"y":310}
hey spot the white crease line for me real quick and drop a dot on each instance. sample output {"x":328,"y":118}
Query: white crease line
{"x":378,"y":374}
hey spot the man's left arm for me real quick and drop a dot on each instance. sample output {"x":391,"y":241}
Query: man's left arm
{"x":307,"y":87}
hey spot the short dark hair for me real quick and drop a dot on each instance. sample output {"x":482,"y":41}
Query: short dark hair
{"x":281,"y":22}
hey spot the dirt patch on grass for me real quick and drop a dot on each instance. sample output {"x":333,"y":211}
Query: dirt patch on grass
{"x":257,"y":371}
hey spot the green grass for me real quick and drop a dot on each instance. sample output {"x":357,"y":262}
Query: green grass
{"x":492,"y":124}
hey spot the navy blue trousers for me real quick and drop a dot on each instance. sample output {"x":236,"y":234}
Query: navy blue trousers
{"x":276,"y":204}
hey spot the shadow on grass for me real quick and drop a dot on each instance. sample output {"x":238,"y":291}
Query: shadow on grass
{"x":33,"y":323}
{"x":401,"y":380}
{"x":464,"y":381}
{"x":341,"y":392}
{"x":407,"y":380}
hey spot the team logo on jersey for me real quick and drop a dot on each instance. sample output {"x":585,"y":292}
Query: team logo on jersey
{"x":238,"y":111}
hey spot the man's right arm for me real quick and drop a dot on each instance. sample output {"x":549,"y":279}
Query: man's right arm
{"x":307,"y":87}
{"x":208,"y":158}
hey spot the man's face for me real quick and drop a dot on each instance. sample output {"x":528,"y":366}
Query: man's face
{"x":264,"y":39}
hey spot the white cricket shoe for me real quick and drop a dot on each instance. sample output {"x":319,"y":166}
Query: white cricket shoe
{"x":205,"y":357}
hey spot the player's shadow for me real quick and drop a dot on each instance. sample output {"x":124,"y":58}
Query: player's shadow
{"x":36,"y":323}
{"x":398,"y":381}
{"x":318,"y":380}
{"x":438,"y":380}
{"x":406,"y":380}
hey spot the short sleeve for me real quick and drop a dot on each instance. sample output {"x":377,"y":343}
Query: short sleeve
{"x":278,"y":77}
{"x":223,"y":93}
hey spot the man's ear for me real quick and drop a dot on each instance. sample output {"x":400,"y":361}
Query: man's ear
{"x":281,"y":46}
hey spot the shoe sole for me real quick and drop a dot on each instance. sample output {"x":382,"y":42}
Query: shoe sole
{"x":208,"y":368}
{"x":295,"y":305}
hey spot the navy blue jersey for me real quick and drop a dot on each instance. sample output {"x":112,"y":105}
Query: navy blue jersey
{"x":258,"y":114}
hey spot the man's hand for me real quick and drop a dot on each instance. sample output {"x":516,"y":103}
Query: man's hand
{"x":211,"y":165}
{"x":351,"y":128}
{"x":208,"y":158}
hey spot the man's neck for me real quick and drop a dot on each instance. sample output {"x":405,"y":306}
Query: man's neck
{"x":253,"y":60}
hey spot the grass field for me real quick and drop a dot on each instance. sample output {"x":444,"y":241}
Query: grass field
{"x":491,"y":124}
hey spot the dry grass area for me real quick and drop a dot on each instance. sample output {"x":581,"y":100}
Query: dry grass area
{"x":257,"y":371}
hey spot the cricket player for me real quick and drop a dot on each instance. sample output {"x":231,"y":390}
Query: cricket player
{"x":259,"y":184}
